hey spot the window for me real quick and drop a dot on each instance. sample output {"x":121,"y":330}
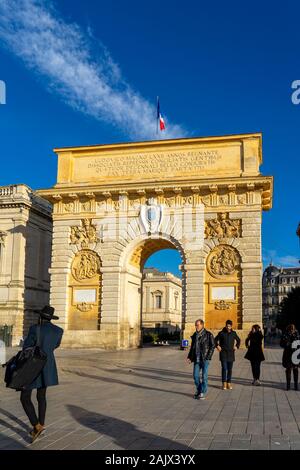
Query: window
{"x":176,"y":300}
{"x":158,"y":300}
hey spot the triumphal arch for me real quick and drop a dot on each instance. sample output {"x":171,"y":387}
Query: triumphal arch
{"x":115,"y":205}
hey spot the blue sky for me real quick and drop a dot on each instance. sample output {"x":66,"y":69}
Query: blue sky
{"x":219,"y":68}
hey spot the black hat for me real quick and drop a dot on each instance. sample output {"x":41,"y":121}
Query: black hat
{"x":47,"y":313}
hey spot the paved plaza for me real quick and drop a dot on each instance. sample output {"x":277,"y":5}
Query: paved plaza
{"x":142,"y":399}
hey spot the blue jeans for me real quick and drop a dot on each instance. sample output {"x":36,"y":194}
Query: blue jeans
{"x":226,"y":371}
{"x":201,"y":368}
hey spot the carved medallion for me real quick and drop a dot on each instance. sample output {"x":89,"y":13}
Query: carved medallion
{"x":86,"y":265}
{"x":223,"y":227}
{"x":222,"y":261}
{"x":84,"y":234}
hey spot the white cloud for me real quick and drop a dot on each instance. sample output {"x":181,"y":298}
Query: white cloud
{"x":278,"y":260}
{"x":60,"y":52}
{"x":288,"y":261}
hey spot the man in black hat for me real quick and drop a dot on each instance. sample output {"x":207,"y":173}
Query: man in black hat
{"x":49,"y":337}
{"x":226,"y":342}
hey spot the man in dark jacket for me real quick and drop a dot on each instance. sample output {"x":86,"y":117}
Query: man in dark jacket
{"x":226,"y":342}
{"x":200,"y":354}
{"x":50,"y":336}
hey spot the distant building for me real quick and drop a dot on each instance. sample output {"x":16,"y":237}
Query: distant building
{"x":276,"y":284}
{"x":25,"y":255}
{"x":162,"y":299}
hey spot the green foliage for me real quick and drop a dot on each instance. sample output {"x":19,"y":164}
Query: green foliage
{"x":290,"y":310}
{"x":150,"y":337}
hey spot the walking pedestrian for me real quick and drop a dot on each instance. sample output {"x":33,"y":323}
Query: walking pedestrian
{"x":226,"y":342}
{"x":254,"y":343}
{"x":200,"y":354}
{"x":50,"y":336}
{"x":289,"y":336}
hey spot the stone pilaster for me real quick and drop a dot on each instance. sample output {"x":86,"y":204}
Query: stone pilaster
{"x":194,"y":296}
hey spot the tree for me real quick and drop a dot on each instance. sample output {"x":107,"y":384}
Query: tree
{"x":290,"y":310}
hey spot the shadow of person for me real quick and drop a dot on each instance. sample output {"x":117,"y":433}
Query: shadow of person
{"x":158,"y":377}
{"x":155,"y":370}
{"x":14,"y":418}
{"x":120,"y":382}
{"x":241,"y":381}
{"x":21,"y":432}
{"x":8,"y":443}
{"x":122,"y":433}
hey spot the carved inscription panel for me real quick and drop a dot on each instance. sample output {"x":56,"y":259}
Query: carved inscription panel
{"x":161,"y":164}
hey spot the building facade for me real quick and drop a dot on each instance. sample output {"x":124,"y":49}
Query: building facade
{"x":277,"y":282}
{"x":115,"y":205}
{"x":25,"y":257}
{"x":161,"y":301}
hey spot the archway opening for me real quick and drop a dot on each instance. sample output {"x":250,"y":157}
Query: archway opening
{"x":159,"y":298}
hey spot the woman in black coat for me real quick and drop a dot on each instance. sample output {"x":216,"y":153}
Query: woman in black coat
{"x":50,"y":336}
{"x":286,"y":342}
{"x":255,"y":355}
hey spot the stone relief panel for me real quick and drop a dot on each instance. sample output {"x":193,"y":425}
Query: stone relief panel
{"x":222,"y":305}
{"x":84,"y":234}
{"x":223,"y":227}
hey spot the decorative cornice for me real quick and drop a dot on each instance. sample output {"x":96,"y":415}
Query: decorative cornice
{"x":240,"y":191}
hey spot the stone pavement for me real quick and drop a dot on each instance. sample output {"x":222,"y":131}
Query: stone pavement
{"x":142,"y":399}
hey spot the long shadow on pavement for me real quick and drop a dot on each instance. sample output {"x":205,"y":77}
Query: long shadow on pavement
{"x":242,"y":381}
{"x":213,"y":378}
{"x":120,"y":382}
{"x":124,"y":434}
{"x":14,"y":418}
{"x":8,"y":443}
{"x":16,"y":430}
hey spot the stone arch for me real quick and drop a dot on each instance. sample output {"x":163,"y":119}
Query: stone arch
{"x":84,"y":291}
{"x":132,"y":261}
{"x":223,"y":285}
{"x":141,"y":247}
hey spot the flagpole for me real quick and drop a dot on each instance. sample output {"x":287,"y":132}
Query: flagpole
{"x":157,"y":117}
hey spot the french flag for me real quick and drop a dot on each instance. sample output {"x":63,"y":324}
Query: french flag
{"x":160,"y":119}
